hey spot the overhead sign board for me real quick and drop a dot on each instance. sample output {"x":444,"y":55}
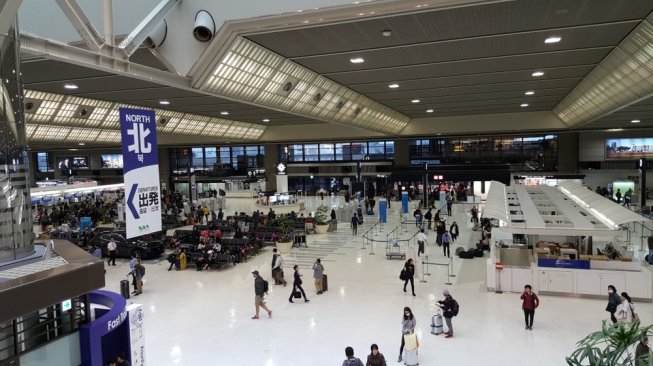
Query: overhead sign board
{"x":141,"y":169}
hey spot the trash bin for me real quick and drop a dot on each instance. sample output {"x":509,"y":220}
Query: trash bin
{"x":124,"y":289}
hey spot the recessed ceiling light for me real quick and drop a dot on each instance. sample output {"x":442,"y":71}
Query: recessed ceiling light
{"x":82,"y":144}
{"x":538,"y":73}
{"x":523,"y":105}
{"x":386,"y":33}
{"x":224,"y":113}
{"x":266,"y":120}
{"x":357,"y":60}
{"x":70,"y":86}
{"x":393,"y":86}
{"x":415,"y":101}
{"x":73,"y":149}
{"x":164,"y":102}
{"x":615,"y":130}
{"x":635,"y":121}
{"x":429,"y":111}
{"x":530,"y":92}
{"x":553,"y":39}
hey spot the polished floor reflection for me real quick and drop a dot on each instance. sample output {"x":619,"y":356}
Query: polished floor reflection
{"x":203,"y":318}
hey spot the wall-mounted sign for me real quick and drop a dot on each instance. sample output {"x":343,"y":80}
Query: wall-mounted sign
{"x":281,"y":169}
{"x":632,"y":148}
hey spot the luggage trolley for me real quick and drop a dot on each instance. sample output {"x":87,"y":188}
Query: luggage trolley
{"x":394,"y":249}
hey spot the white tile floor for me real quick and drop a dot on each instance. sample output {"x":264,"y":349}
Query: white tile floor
{"x":203,"y":318}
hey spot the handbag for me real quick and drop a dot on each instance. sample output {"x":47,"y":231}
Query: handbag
{"x":635,"y":316}
{"x":402,"y":275}
{"x":297,"y":295}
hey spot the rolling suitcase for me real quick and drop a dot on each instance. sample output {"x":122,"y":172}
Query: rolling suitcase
{"x":410,"y":357}
{"x":124,"y":289}
{"x":325,"y":283}
{"x":436,"y":324}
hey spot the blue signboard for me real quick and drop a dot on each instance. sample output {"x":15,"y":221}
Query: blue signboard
{"x":141,"y":169}
{"x":563,"y":263}
{"x":404,"y":202}
{"x":383,"y":210}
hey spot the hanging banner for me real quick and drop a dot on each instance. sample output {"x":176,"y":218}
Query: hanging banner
{"x":141,"y":168}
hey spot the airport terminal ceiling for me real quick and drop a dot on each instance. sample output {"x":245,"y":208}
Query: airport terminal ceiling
{"x":315,"y":70}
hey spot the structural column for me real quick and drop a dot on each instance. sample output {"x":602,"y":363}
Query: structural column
{"x":270,"y":161}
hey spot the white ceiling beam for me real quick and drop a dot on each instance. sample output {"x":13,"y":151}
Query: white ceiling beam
{"x":8,"y":11}
{"x":108,"y":22}
{"x":82,"y":24}
{"x":106,"y":60}
{"x":147,"y":26}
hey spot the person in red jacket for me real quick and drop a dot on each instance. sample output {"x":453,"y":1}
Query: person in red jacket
{"x":530,"y":302}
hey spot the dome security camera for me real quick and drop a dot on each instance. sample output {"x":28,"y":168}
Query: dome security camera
{"x":163,"y":121}
{"x":204,"y":28}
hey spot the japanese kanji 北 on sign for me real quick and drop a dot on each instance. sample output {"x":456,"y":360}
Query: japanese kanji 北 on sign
{"x":141,"y":167}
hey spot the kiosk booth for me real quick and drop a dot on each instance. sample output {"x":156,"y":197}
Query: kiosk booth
{"x":564,"y":240}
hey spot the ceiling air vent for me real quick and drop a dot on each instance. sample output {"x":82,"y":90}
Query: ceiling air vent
{"x":84,"y":111}
{"x":32,"y":105}
{"x":288,"y":86}
{"x":340,"y":105}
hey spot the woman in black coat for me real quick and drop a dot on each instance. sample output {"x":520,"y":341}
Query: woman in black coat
{"x":409,"y":275}
{"x":613,"y":302}
{"x":453,"y":230}
{"x":297,"y":284}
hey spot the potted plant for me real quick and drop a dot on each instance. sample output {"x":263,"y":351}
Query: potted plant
{"x":284,"y":225}
{"x":611,"y":346}
{"x":321,"y":219}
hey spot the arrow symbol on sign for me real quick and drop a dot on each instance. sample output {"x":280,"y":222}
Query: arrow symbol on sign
{"x":130,"y":201}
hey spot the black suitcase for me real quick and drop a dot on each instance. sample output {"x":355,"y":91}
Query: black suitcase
{"x":478,"y":252}
{"x":325,"y":283}
{"x":468,"y":254}
{"x":124,"y":289}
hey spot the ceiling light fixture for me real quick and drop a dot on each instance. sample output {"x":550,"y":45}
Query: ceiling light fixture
{"x":70,"y":86}
{"x":429,"y":111}
{"x":635,"y":121}
{"x":357,"y":60}
{"x":553,"y":39}
{"x":615,"y":130}
{"x":523,"y":105}
{"x":224,"y":113}
{"x":266,"y":120}
{"x":164,"y":102}
{"x":386,"y":33}
{"x":82,"y":144}
{"x":415,"y":101}
{"x":530,"y":92}
{"x":393,"y":86}
{"x":538,"y":73}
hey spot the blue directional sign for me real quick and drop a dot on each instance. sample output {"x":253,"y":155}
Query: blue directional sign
{"x":141,"y":167}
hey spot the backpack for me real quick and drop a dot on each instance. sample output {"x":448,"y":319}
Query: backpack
{"x":142,"y":270}
{"x":456,"y":308}
{"x":266,"y":286}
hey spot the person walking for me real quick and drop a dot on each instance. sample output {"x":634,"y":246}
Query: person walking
{"x":440,"y":228}
{"x":421,"y":240}
{"x":351,"y":360}
{"x":454,"y":231}
{"x":375,"y":358}
{"x":446,"y":241}
{"x":111,"y":247}
{"x":613,"y":303}
{"x":318,"y":274}
{"x":641,"y":352}
{"x":627,"y":308}
{"x":137,"y":274}
{"x":354,"y":224}
{"x":277,"y":268}
{"x":449,"y":308}
{"x":297,"y":284}
{"x":530,"y":302}
{"x":408,"y":323}
{"x":409,"y":275}
{"x":449,"y":205}
{"x":429,"y":219}
{"x":260,"y":289}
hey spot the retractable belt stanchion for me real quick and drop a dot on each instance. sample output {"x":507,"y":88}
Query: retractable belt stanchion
{"x":451,"y":264}
{"x":427,"y":263}
{"x":448,"y":281}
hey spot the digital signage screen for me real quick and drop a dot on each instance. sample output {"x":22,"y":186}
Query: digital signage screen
{"x":629,"y":148}
{"x":111,"y":161}
{"x":65,"y":163}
